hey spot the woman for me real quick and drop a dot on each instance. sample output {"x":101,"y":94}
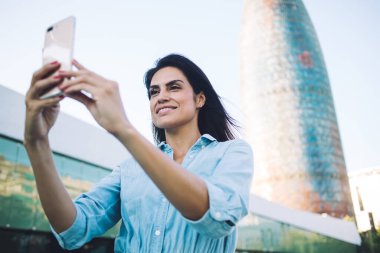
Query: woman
{"x":186,"y":195}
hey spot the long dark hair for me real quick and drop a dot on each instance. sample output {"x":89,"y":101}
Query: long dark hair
{"x":213,"y":119}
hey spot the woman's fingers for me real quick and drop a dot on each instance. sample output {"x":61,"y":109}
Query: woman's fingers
{"x":70,"y":73}
{"x":36,"y":106}
{"x":44,"y":85}
{"x":78,"y":87}
{"x":80,"y":76}
{"x":81,"y":98}
{"x":78,"y":65}
{"x":45,"y":71}
{"x":49,"y":102}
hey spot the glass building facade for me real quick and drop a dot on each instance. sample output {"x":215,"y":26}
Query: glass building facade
{"x":289,"y":112}
{"x":24,"y":227}
{"x":261,"y":234}
{"x":23,"y":224}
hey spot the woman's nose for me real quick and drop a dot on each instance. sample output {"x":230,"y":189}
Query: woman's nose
{"x":162,"y":97}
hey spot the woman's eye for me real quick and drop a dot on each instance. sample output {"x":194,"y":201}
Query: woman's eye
{"x":153,"y":92}
{"x":174,"y":87}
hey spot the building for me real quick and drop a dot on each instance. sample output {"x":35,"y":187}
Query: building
{"x":365,"y":189}
{"x":289,"y":111}
{"x":80,"y":160}
{"x":84,"y":153}
{"x":272,"y":227}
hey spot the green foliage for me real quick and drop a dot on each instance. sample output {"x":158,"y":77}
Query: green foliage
{"x":370,"y":241}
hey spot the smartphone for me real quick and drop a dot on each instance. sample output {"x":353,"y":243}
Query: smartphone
{"x":59,"y":46}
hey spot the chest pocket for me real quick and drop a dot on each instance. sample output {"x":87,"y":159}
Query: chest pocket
{"x":203,"y":165}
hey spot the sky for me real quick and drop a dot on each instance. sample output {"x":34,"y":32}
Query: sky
{"x":120,"y":40}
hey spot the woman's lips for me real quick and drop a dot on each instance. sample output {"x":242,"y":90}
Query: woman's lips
{"x":165,"y":110}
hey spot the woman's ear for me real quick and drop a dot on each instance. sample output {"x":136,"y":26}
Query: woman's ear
{"x":200,"y":99}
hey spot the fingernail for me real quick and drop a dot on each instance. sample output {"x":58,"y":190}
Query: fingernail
{"x":57,"y":77}
{"x":61,"y":71}
{"x":61,"y":96}
{"x":54,"y":63}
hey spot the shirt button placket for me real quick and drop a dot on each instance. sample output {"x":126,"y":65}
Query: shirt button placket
{"x":158,"y":234}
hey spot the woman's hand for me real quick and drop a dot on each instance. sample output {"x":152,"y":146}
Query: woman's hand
{"x":103,"y":102}
{"x":41,"y":114}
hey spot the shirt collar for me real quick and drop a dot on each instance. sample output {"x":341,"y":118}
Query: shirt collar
{"x":204,"y":140}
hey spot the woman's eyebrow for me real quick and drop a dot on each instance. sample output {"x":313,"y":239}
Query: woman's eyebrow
{"x":173,"y":82}
{"x":153,"y":86}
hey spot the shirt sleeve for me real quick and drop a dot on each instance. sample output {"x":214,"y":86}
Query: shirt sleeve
{"x":96,"y":212}
{"x":228,"y":190}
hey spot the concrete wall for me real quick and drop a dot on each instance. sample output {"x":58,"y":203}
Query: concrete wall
{"x":69,"y":136}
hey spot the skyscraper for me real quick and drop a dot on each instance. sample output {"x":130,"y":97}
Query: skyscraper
{"x":289,"y":112}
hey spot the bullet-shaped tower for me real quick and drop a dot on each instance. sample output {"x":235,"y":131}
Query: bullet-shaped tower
{"x":289,"y":112}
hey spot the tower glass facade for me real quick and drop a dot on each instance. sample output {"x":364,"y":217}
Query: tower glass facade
{"x":289,"y":112}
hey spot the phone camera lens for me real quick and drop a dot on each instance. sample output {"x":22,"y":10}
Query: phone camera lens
{"x":50,"y":29}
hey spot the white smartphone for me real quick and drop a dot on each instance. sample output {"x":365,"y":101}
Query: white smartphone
{"x":59,"y":46}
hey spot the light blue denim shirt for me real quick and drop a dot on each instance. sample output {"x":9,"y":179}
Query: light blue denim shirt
{"x":149,"y":223}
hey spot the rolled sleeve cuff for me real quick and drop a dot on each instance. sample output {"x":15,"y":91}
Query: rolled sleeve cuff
{"x":73,"y":237}
{"x":219,"y":220}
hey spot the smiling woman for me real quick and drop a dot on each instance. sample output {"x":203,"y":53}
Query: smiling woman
{"x":213,"y":118}
{"x":185,"y":195}
{"x":173,"y":104}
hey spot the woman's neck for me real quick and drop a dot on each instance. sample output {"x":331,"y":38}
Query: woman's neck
{"x":181,"y":140}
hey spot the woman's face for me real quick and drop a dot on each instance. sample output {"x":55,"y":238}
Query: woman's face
{"x":173,"y":102}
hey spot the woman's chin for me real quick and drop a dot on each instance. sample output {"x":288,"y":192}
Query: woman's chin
{"x":165,"y":124}
{"x":169,"y":125}
{"x":172,"y":123}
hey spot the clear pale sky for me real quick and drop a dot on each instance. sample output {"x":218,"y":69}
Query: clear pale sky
{"x":121,"y":40}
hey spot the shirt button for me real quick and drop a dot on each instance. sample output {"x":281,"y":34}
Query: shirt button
{"x":157,"y":233}
{"x":163,"y":200}
{"x":218,"y":215}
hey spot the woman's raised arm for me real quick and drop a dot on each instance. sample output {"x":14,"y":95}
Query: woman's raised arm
{"x":40,"y":116}
{"x":186,"y":191}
